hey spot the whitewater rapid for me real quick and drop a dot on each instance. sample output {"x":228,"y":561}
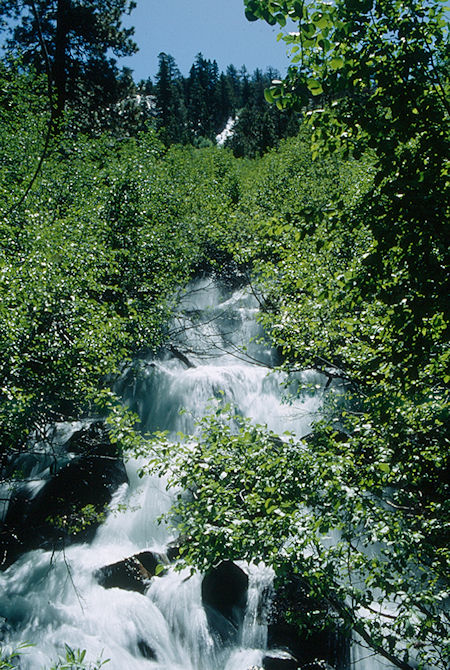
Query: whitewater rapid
{"x":217,"y":349}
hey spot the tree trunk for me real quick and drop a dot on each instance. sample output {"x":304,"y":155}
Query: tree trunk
{"x":60,"y":62}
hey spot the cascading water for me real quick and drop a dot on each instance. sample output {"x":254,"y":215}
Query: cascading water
{"x":48,"y":600}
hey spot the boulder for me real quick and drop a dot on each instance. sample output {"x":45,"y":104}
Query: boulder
{"x":130,"y":574}
{"x":224,"y":597}
{"x":66,"y":508}
{"x":173,"y":549}
{"x":174,"y":546}
{"x":280,"y":660}
{"x":146,"y":650}
{"x":315,"y":642}
{"x":91,"y":439}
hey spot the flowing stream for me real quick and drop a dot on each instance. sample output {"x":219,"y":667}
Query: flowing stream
{"x":48,"y":600}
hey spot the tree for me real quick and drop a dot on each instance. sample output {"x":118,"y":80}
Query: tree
{"x":201,"y":89}
{"x":260,"y":126}
{"x":233,"y":78}
{"x":356,"y":288}
{"x":384,"y":67}
{"x":71,"y":40}
{"x":170,"y":105}
{"x":224,"y":106}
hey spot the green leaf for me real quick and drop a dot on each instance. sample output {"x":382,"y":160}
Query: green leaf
{"x":250,"y":16}
{"x":314,"y":86}
{"x":337,"y":62}
{"x":268,"y":94}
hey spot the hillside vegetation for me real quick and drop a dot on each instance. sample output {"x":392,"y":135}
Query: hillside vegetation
{"x":342,"y":232}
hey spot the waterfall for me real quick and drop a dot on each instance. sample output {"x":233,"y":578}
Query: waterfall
{"x":217,"y":348}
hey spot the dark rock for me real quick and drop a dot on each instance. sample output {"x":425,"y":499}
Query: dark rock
{"x":173,"y":548}
{"x":92,"y":439}
{"x":224,"y":631}
{"x":67,"y":508}
{"x":173,"y":553}
{"x":279,"y":660}
{"x":319,"y":639}
{"x":88,"y":480}
{"x":150,"y":561}
{"x":28,"y":464}
{"x":224,"y":597}
{"x":131,"y":574}
{"x":146,"y":650}
{"x":18,"y":506}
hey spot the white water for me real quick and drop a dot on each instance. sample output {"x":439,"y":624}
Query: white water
{"x":227,"y":132}
{"x":51,"y":600}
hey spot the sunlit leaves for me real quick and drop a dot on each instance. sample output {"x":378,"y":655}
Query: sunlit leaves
{"x":89,"y":263}
{"x":253,"y":495}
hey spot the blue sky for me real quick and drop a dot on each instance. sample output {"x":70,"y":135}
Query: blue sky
{"x":216,"y":28}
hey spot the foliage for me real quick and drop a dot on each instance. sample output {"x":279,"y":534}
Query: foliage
{"x":354,"y":280}
{"x":384,"y":67}
{"x":196,"y":108}
{"x":8,"y":658}
{"x":74,"y":659}
{"x":349,"y":255}
{"x":170,"y":110}
{"x":260,"y":126}
{"x":316,"y":509}
{"x":71,"y":42}
{"x":77,"y":520}
{"x":91,"y":259}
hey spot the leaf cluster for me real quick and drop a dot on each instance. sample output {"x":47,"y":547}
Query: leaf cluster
{"x":91,"y":259}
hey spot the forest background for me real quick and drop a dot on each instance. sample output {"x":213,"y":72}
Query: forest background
{"x":113,"y":194}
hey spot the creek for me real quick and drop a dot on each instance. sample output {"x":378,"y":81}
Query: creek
{"x":49,"y":599}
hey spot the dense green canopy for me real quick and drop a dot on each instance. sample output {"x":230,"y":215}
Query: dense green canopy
{"x":72,"y":42}
{"x":342,"y":231}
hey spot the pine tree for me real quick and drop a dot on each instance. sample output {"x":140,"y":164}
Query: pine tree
{"x":224,"y":105}
{"x":170,"y":106}
{"x":203,"y":102}
{"x":245,"y":86}
{"x":234,"y":80}
{"x":71,"y":40}
{"x":260,"y":126}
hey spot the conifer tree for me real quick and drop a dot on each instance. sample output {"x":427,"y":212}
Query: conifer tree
{"x":170,"y":107}
{"x":235,"y":84}
{"x":71,"y":40}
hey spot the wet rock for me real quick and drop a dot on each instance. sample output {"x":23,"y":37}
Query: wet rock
{"x":224,"y":597}
{"x":92,"y":439}
{"x":173,"y":548}
{"x":130,"y":574}
{"x":280,"y":660}
{"x":173,"y":553}
{"x":146,"y":650}
{"x":150,"y":560}
{"x":88,"y":480}
{"x":320,"y":642}
{"x":66,"y":508}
